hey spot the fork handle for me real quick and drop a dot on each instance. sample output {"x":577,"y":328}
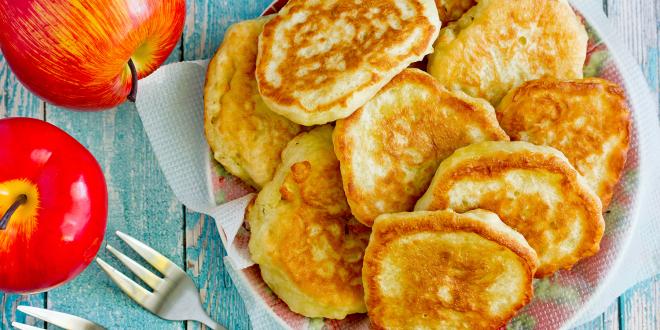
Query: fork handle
{"x":210,"y":323}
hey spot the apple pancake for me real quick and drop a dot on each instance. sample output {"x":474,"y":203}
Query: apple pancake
{"x":588,"y":120}
{"x":446,"y":270}
{"x":303,"y":236}
{"x":497,"y":45}
{"x":245,"y":135}
{"x":451,"y":10}
{"x":390,"y":148}
{"x":321,"y":60}
{"x":533,"y":189}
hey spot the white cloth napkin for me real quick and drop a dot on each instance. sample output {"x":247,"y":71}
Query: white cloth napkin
{"x":170,"y":104}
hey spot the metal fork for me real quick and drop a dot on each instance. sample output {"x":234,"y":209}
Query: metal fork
{"x":61,"y":320}
{"x":174,"y":297}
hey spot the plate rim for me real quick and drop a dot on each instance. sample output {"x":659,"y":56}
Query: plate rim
{"x":631,"y":75}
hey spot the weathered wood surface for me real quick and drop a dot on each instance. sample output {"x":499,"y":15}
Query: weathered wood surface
{"x":142,"y":204}
{"x":15,"y":100}
{"x":638,"y":22}
{"x":206,"y":22}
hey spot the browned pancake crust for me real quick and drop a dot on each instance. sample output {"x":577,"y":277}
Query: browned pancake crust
{"x":523,"y":212}
{"x":245,"y":135}
{"x":408,"y":137}
{"x":367,"y":51}
{"x":497,"y":45}
{"x":434,"y":265}
{"x":451,"y":10}
{"x":303,"y":237}
{"x":577,"y":117}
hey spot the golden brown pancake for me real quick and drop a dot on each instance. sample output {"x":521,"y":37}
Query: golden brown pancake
{"x":390,"y":148}
{"x":451,"y":10}
{"x":245,"y":135}
{"x":319,"y":61}
{"x":533,"y":189}
{"x":497,"y":45}
{"x":303,"y":236}
{"x":445,"y":270}
{"x":588,"y":120}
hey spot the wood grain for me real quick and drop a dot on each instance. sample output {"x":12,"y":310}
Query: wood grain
{"x":204,"y":255}
{"x":638,"y":22}
{"x":16,"y":101}
{"x":142,"y":204}
{"x":606,"y":321}
{"x":206,"y":22}
{"x":640,"y":306}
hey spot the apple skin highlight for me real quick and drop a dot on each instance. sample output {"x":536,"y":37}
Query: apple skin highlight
{"x":54,"y":234}
{"x":74,"y":53}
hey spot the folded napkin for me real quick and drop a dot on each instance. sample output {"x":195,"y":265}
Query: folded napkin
{"x":170,"y":104}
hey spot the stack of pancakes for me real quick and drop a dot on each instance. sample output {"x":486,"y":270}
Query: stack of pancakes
{"x":429,"y":200}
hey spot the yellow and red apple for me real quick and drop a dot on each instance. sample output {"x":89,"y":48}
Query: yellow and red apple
{"x":53,"y":206}
{"x":88,"y":54}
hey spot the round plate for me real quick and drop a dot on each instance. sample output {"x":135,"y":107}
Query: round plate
{"x":558,"y":300}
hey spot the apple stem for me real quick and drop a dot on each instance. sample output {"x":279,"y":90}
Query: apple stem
{"x":20,"y":200}
{"x":134,"y":81}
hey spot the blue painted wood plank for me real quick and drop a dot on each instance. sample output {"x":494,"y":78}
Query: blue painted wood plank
{"x":639,"y":23}
{"x":641,"y":305}
{"x":148,"y":210}
{"x":140,"y":204}
{"x":204,"y":253}
{"x":608,"y":320}
{"x":206,"y":23}
{"x":207,"y":20}
{"x":15,"y":100}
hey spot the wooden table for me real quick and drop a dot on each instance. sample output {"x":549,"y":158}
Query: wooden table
{"x":142,"y":204}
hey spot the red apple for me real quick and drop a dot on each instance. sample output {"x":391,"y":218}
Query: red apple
{"x":53,"y":206}
{"x":79,"y":53}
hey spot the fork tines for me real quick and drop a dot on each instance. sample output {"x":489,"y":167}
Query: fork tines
{"x":154,"y":258}
{"x":174,"y":295}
